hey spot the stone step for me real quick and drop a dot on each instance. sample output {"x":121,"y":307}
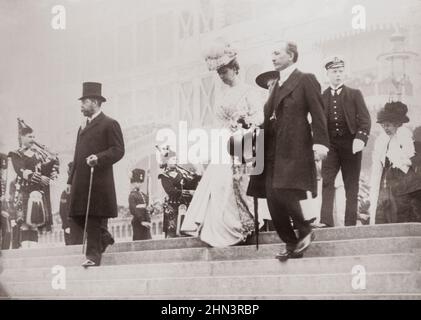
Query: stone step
{"x":317,"y":249}
{"x":359,"y":296}
{"x":330,"y":284}
{"x":316,"y":265}
{"x":328,"y":234}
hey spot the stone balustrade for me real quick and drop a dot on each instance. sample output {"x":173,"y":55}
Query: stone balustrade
{"x":120,"y":228}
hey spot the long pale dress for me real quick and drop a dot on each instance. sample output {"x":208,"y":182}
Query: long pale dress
{"x":221,"y":213}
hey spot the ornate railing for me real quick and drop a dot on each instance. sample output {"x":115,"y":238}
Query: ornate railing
{"x":120,"y":228}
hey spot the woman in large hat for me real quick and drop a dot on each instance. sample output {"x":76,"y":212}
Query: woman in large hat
{"x":221,"y":212}
{"x":392,"y":155}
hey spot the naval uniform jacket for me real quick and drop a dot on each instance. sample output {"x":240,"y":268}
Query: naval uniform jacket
{"x":355,"y":111}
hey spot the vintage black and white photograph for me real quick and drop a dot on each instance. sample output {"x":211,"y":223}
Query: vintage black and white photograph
{"x":226,"y":150}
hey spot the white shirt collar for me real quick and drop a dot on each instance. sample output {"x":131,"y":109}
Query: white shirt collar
{"x":94,"y":115}
{"x":286,"y":73}
{"x":332,"y":88}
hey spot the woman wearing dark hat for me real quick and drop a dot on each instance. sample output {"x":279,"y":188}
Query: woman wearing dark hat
{"x":392,"y":155}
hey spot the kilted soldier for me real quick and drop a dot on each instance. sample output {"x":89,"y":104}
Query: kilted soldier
{"x":179,"y":184}
{"x":32,"y":200}
{"x":349,"y":126}
{"x":138,"y":205}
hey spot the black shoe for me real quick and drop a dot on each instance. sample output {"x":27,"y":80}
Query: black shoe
{"x":304,"y":243}
{"x":311,"y":221}
{"x":284,"y":255}
{"x":320,"y":225}
{"x":107,"y":240}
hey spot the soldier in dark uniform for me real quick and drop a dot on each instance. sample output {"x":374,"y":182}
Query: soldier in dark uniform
{"x":138,"y":205}
{"x":15,"y":223}
{"x":349,"y":126}
{"x":33,"y":205}
{"x":64,"y":211}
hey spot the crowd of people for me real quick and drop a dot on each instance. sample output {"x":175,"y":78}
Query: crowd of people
{"x":220,"y":205}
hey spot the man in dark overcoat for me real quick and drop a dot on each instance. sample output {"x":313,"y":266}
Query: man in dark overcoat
{"x":99,"y":144}
{"x":291,"y":146}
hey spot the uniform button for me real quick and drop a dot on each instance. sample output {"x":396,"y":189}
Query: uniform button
{"x":334,"y":107}
{"x":334,"y":101}
{"x":336,"y":118}
{"x":337,"y":129}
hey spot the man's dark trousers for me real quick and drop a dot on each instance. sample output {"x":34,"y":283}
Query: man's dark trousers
{"x":340,"y":157}
{"x":285,"y":210}
{"x":96,"y":238}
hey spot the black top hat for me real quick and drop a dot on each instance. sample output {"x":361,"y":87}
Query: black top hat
{"x":92,"y":90}
{"x":138,"y":175}
{"x":393,"y":112}
{"x":262,"y":79}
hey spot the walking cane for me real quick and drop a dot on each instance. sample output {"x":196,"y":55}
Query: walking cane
{"x":87,"y":211}
{"x":256,"y":220}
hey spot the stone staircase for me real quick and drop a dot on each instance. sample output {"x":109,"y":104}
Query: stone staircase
{"x":185,"y":268}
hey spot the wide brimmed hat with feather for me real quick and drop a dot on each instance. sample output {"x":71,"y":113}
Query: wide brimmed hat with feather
{"x":219,"y":54}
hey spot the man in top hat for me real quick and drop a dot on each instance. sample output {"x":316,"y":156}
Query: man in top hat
{"x":349,"y":126}
{"x":99,"y":144}
{"x":138,"y":202}
{"x":291,"y":146}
